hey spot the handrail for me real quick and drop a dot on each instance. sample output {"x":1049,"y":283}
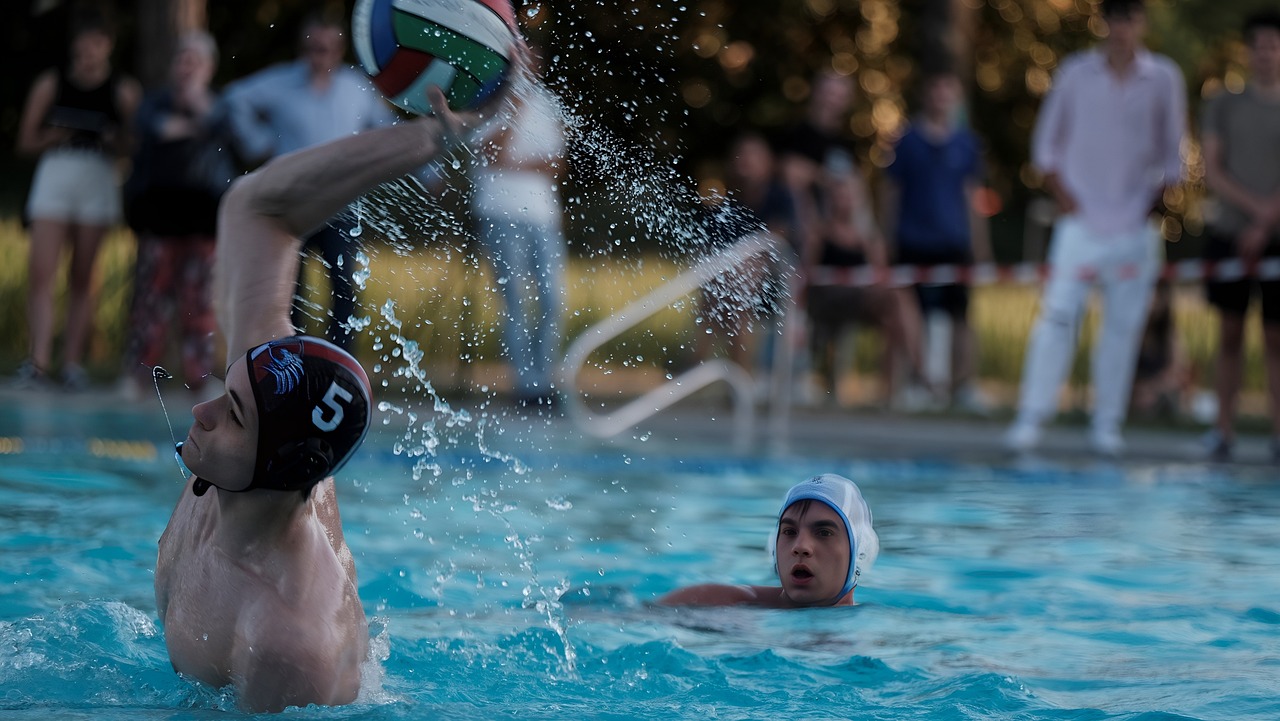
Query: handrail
{"x":607,"y":425}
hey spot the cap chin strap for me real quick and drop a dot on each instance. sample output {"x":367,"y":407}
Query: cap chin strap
{"x":199,"y":486}
{"x":310,"y":461}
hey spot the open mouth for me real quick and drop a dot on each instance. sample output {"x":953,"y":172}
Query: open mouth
{"x":801,"y":575}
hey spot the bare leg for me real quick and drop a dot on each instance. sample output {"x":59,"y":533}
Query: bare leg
{"x":900,"y":320}
{"x":47,"y":238}
{"x":963,"y":353}
{"x":1271,"y":339}
{"x":81,"y":290}
{"x":1230,"y":371}
{"x":910,"y":329}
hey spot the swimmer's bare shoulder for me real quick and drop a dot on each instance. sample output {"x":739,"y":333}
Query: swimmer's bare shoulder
{"x":271,"y":624}
{"x":719,"y":594}
{"x":294,"y":656}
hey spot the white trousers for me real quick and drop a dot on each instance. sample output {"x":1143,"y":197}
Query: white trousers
{"x":1124,"y":267}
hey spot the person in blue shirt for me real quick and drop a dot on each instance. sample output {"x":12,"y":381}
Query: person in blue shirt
{"x":930,"y":215}
{"x":294,"y":105}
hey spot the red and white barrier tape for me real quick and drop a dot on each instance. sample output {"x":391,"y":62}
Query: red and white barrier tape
{"x":1026,"y":273}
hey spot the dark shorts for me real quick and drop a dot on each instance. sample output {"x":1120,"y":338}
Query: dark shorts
{"x":951,"y":298}
{"x":1231,"y":297}
{"x":835,"y":306}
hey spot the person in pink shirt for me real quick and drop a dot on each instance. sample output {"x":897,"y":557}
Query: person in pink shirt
{"x":1108,"y":144}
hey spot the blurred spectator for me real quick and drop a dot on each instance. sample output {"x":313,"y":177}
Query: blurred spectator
{"x":756,"y":201}
{"x":815,"y":153}
{"x":312,"y":100}
{"x":1108,"y":143}
{"x":75,"y":120}
{"x":516,"y":205}
{"x":819,"y":146}
{"x":847,"y":238}
{"x":929,"y":217}
{"x":1241,"y":144}
{"x":181,"y":167}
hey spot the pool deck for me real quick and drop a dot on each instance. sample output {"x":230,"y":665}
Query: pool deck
{"x":874,"y":434}
{"x":43,"y":419}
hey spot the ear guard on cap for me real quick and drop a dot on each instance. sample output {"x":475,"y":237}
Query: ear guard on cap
{"x":298,"y":461}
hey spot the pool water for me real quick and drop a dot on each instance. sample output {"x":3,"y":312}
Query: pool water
{"x":510,"y":575}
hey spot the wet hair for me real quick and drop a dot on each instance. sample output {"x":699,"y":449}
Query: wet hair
{"x":1122,"y":8}
{"x":1267,"y":20}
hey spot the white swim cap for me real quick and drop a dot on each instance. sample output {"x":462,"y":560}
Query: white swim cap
{"x":843,"y":496}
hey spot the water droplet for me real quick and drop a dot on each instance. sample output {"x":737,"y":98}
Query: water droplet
{"x":559,"y":503}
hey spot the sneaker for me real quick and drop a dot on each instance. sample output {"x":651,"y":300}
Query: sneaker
{"x":74,"y":379}
{"x":1106,"y":442}
{"x":1022,"y":437}
{"x":29,"y":377}
{"x":1218,"y":448}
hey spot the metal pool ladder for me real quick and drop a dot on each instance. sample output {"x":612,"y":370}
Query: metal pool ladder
{"x":630,"y":414}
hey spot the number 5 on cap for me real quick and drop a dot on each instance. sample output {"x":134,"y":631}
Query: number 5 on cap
{"x":330,"y":399}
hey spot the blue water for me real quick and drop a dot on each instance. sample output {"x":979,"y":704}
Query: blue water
{"x":512,"y":579}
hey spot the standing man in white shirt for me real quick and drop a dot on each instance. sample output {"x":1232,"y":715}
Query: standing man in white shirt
{"x":312,"y":100}
{"x":1108,"y":143}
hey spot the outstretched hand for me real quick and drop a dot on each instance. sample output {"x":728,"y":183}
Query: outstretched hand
{"x":461,"y":127}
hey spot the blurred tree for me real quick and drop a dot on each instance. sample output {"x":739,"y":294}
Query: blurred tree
{"x":681,"y":76}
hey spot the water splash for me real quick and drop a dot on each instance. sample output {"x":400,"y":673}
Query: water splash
{"x":625,"y":195}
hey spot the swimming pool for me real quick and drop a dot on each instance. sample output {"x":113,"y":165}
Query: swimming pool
{"x":511,"y":579}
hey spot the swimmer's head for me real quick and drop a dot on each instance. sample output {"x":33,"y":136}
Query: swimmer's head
{"x":295,"y":411}
{"x":823,"y":541}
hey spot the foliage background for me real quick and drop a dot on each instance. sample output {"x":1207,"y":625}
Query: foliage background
{"x":666,"y":83}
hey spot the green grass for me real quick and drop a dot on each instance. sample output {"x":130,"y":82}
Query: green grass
{"x":446,"y":303}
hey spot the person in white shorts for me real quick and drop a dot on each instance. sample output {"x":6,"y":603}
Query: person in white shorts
{"x":75,"y":120}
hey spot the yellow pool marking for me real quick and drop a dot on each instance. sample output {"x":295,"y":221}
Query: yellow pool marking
{"x":114,"y":448}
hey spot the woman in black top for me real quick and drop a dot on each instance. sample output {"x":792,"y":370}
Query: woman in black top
{"x":75,"y":122}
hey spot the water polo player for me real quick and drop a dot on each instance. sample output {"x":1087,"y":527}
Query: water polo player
{"x":309,"y":414}
{"x":254,"y":582}
{"x":822,"y":544}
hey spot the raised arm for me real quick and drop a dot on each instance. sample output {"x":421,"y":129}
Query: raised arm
{"x":265,"y":213}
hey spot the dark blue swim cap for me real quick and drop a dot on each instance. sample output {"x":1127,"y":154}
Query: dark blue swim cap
{"x":313,"y":401}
